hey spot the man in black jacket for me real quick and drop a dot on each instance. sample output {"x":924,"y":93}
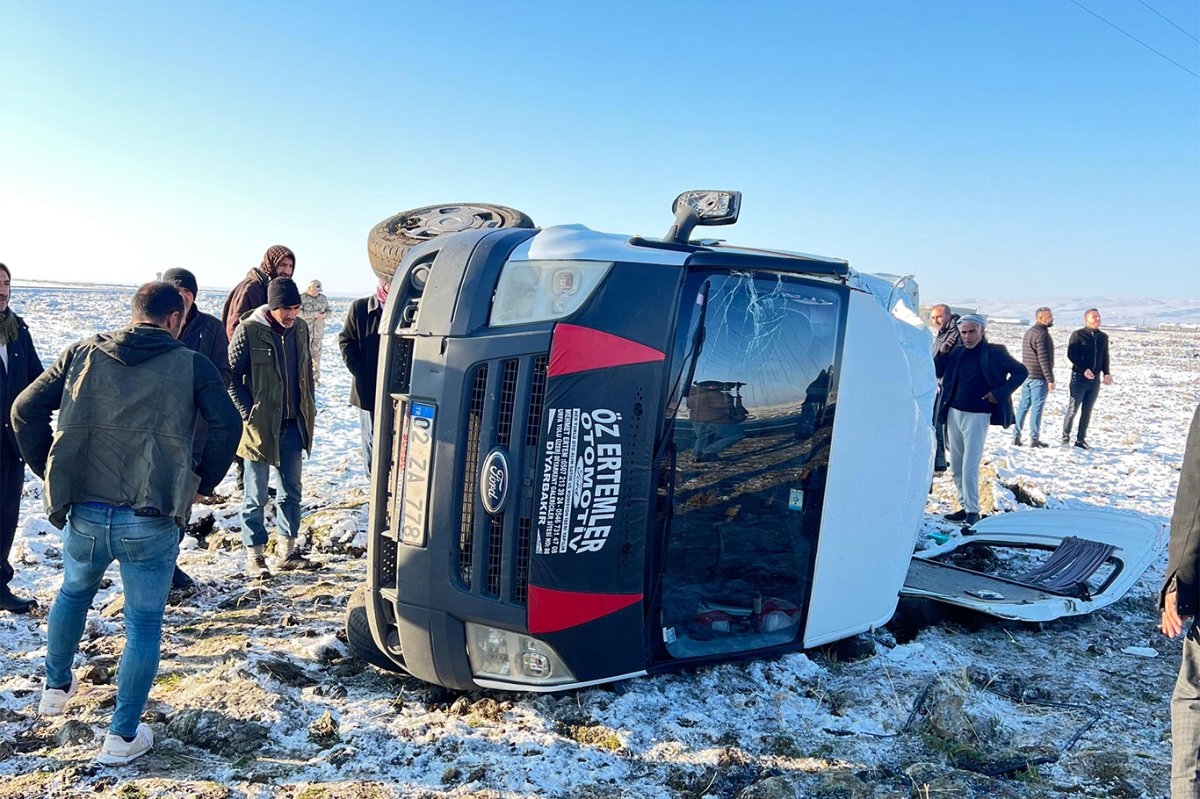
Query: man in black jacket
{"x":1178,"y":600}
{"x":1088,"y":352}
{"x":202,"y":333}
{"x":945,"y":338}
{"x":19,"y":366}
{"x":359,"y":342}
{"x":1037,"y":353}
{"x":978,"y":380}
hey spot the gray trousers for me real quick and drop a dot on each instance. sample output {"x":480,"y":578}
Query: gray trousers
{"x":1185,"y":721}
{"x":966,"y":432}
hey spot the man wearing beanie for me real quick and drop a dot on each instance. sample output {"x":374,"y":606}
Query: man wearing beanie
{"x":202,"y":333}
{"x":978,"y":380}
{"x":271,"y":383}
{"x":19,"y":366}
{"x":278,"y":261}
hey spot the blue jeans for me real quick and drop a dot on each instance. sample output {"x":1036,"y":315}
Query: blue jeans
{"x":1083,"y":397}
{"x":254,"y":495}
{"x":367,"y":428}
{"x":146,"y":547}
{"x":1033,"y":398}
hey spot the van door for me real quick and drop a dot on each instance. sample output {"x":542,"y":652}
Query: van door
{"x":743,"y":461}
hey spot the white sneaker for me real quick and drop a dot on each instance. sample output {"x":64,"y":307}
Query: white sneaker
{"x":116,"y":751}
{"x":54,"y":700}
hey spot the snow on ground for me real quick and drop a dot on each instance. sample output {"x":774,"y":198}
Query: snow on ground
{"x":256,"y":696}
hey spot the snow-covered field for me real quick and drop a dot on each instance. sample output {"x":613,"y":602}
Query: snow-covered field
{"x":257,"y":697}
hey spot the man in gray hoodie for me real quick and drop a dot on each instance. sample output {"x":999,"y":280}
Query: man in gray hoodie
{"x":119,"y":481}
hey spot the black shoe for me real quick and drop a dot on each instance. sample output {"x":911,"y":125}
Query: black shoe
{"x":1066,"y":440}
{"x":15,"y":604}
{"x":1036,"y":444}
{"x":1017,"y":440}
{"x":1082,"y":444}
{"x":971,"y":518}
{"x":180,"y":579}
{"x":958,"y":516}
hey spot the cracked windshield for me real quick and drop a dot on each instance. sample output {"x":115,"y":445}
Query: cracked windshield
{"x":753,"y":403}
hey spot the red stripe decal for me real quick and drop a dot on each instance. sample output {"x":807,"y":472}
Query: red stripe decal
{"x":551,"y":610}
{"x":577,"y":349}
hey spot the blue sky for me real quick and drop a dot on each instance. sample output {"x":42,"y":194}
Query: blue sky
{"x":1008,"y":149}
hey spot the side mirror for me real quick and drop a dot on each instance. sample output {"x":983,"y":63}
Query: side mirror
{"x":694,"y":208}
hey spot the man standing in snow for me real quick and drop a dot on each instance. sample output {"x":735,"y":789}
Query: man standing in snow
{"x":19,"y":366}
{"x":945,"y":338}
{"x":202,"y":333}
{"x":314,"y":307}
{"x":272,"y":386}
{"x":1178,"y":601}
{"x":1088,"y":352}
{"x":278,"y":261}
{"x":119,"y":481}
{"x":978,"y":380}
{"x":1037,"y":353}
{"x":359,"y":342}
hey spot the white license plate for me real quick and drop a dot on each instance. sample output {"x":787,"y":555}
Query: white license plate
{"x":418,"y":456}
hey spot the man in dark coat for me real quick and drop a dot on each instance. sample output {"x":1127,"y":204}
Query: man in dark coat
{"x":1037,"y":353}
{"x":278,"y":261}
{"x":19,"y":366}
{"x":945,"y":338}
{"x":1088,"y":352}
{"x":1179,"y":600}
{"x":202,"y":333}
{"x":359,"y":342}
{"x":978,"y":380}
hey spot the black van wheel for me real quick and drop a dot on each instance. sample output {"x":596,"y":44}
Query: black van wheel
{"x":358,"y":633}
{"x":391,"y":239}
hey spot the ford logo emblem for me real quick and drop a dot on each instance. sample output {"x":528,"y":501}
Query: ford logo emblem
{"x":493,"y":481}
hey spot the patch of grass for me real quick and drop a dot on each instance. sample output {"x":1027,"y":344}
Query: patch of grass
{"x":596,"y":735}
{"x":958,"y":754}
{"x":314,"y":792}
{"x":169,"y":681}
{"x":131,"y":791}
{"x":1032,"y":775}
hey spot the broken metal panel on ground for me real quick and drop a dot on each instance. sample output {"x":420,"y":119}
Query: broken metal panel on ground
{"x":1016,"y":586}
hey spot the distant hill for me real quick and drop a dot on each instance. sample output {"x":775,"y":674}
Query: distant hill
{"x":1068,"y":312}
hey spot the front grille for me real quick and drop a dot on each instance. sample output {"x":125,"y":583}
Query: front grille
{"x":472,"y":437}
{"x":400,"y":376}
{"x":385,"y":563}
{"x":505,"y":395}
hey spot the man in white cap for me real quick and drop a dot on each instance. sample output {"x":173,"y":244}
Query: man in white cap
{"x":978,"y":380}
{"x":314,"y":307}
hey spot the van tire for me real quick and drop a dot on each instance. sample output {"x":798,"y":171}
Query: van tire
{"x":358,"y":633}
{"x":388,"y":241}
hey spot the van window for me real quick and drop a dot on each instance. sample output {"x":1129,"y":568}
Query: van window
{"x":752,"y":397}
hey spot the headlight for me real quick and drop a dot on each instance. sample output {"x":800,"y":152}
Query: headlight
{"x":538,"y":291}
{"x":515,"y":657}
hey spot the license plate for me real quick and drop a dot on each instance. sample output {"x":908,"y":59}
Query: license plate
{"x":417,"y":449}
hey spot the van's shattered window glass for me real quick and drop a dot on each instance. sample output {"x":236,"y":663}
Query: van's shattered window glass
{"x":753,"y":372}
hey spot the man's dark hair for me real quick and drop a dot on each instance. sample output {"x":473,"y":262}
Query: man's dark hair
{"x":155,"y":301}
{"x":5,"y":268}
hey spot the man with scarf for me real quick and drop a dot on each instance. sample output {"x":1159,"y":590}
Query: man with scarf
{"x":359,"y":342}
{"x":272,"y":386}
{"x":202,"y":333}
{"x":19,"y":366}
{"x":278,"y":261}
